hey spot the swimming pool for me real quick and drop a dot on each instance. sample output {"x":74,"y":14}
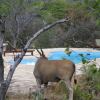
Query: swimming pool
{"x":59,"y":55}
{"x":74,"y":56}
{"x":27,"y":61}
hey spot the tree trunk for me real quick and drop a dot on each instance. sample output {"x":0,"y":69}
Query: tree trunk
{"x":2,"y":30}
{"x":14,"y":42}
{"x":2,"y":90}
{"x":1,"y":69}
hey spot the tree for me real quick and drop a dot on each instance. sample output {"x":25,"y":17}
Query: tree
{"x":2,"y":30}
{"x":94,"y":9}
{"x":79,"y":33}
{"x":3,"y":13}
{"x":5,"y":84}
{"x":18,"y":20}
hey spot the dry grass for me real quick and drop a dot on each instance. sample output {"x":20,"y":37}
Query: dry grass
{"x":11,"y":96}
{"x":56,"y":92}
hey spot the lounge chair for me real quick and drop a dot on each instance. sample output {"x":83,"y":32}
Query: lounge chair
{"x":18,"y":51}
{"x":10,"y":49}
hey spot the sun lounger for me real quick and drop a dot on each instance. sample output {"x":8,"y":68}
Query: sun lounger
{"x":18,"y":51}
{"x":8,"y":48}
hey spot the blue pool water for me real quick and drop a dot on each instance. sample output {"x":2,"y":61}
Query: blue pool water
{"x":74,"y":56}
{"x":59,"y":55}
{"x":30,"y":61}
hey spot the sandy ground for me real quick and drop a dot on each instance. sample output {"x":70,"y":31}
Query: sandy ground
{"x":23,"y":80}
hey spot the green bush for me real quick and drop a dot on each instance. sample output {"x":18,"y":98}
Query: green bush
{"x":80,"y":94}
{"x":89,"y":87}
{"x":38,"y":96}
{"x":92,"y":82}
{"x":92,"y":76}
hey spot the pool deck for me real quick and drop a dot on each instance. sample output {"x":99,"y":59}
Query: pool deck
{"x":24,"y":81}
